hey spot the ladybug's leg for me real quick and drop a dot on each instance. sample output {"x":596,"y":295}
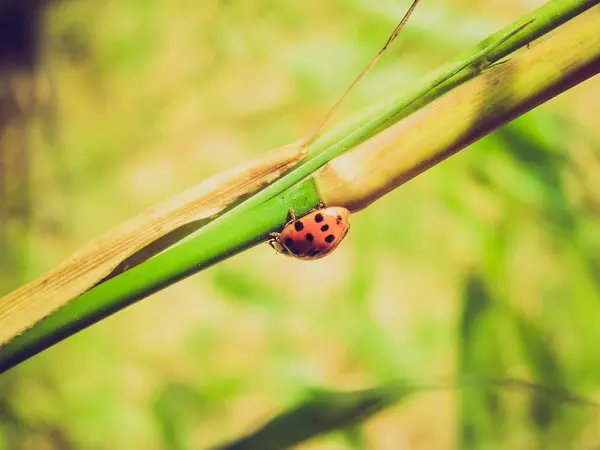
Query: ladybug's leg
{"x":292,"y":216}
{"x":275,"y":244}
{"x":320,"y":205}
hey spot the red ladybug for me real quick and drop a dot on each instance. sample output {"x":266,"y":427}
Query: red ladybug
{"x":313,"y":236}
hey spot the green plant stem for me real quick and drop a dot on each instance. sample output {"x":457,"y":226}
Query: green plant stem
{"x":491,"y":50}
{"x":249,"y":223}
{"x":155,"y":274}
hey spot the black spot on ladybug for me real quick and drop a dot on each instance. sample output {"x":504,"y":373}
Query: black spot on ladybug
{"x":313,"y":252}
{"x":338,"y":218}
{"x":298,"y":225}
{"x":325,"y":228}
{"x":319,"y":218}
{"x":309,"y":237}
{"x":295,"y":251}
{"x":330,"y":238}
{"x":288,"y":242}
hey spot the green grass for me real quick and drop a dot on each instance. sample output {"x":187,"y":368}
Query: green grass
{"x":209,"y":359}
{"x":249,"y":222}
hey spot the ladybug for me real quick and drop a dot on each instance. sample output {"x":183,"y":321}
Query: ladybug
{"x":313,"y":236}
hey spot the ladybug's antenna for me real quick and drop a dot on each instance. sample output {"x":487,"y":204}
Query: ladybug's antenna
{"x":309,"y":139}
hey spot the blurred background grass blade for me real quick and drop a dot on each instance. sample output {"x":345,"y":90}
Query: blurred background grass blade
{"x":322,"y":412}
{"x":176,"y":406}
{"x":479,"y":357}
{"x":492,"y":336}
{"x":346,"y":413}
{"x":545,"y":368}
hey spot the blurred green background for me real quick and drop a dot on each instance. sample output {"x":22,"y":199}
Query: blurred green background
{"x":487,"y":266}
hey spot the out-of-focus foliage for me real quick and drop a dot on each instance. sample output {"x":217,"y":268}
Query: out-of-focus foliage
{"x":486,"y":266}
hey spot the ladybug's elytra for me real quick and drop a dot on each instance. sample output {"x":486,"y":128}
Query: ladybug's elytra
{"x":313,"y":236}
